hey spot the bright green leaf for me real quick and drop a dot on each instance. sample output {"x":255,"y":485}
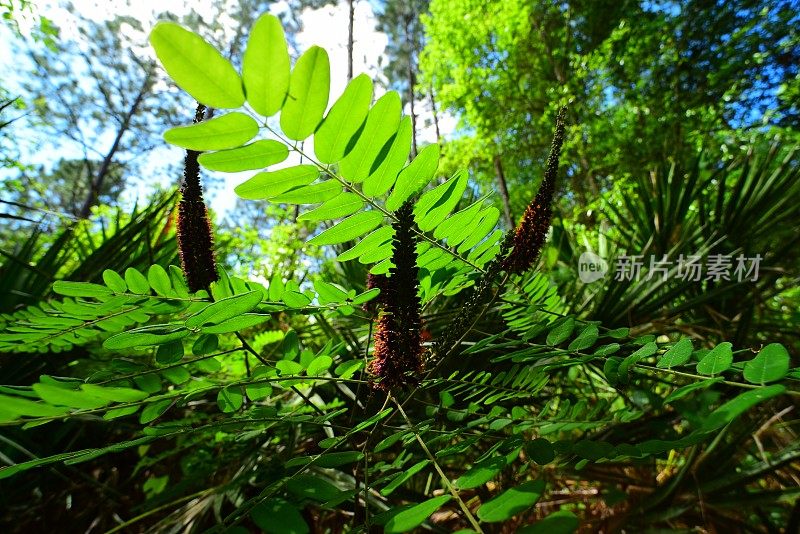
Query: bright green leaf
{"x":414,"y":177}
{"x":257,"y":155}
{"x":269,"y":184}
{"x":309,"y":88}
{"x":226,"y":131}
{"x":771,"y":364}
{"x":265,"y":66}
{"x":511,"y":502}
{"x":196,"y":66}
{"x":350,"y":228}
{"x":414,"y":516}
{"x":381,"y":125}
{"x":343,"y":120}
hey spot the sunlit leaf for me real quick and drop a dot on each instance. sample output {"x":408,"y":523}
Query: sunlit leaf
{"x":231,"y":130}
{"x":196,"y":66}
{"x":265,"y":66}
{"x":269,"y":184}
{"x":309,"y":88}
{"x":343,"y":120}
{"x":257,"y":155}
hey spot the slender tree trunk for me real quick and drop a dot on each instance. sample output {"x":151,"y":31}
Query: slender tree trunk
{"x":351,"y":22}
{"x":501,"y":182}
{"x":412,"y":80}
{"x":435,"y":114}
{"x":98,"y":180}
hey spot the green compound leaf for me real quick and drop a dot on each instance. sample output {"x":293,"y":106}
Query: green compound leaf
{"x":230,"y":399}
{"x":146,"y":336}
{"x":257,"y":155}
{"x":196,"y":66}
{"x":414,"y":177}
{"x":678,"y":354}
{"x":410,"y":518}
{"x":340,"y":206}
{"x":381,"y":125}
{"x":350,"y":228}
{"x":719,"y":359}
{"x":343,"y":120}
{"x":265,"y":66}
{"x":227,"y":308}
{"x":226,"y":131}
{"x":269,"y":184}
{"x":771,"y":364}
{"x":309,"y":87}
{"x":511,"y":502}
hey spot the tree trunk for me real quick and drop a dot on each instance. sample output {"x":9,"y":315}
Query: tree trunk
{"x":501,"y":182}
{"x":412,"y":79}
{"x":96,"y":184}
{"x":435,"y":114}
{"x":351,"y":22}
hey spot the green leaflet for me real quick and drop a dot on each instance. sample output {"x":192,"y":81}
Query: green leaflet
{"x":235,"y":324}
{"x":80,"y":289}
{"x":61,"y":396}
{"x":114,"y":394}
{"x":276,"y":516}
{"x":561,"y":522}
{"x":383,"y":177}
{"x":435,"y":205}
{"x":309,"y":88}
{"x":265,"y":66}
{"x":114,"y":281}
{"x":310,"y":194}
{"x":340,"y":206}
{"x":230,"y":399}
{"x":154,"y":410}
{"x":19,"y":406}
{"x":414,"y":177}
{"x":381,"y":124}
{"x":137,"y":283}
{"x":489,"y":218}
{"x":585,"y":339}
{"x":562,"y":330}
{"x":511,"y":502}
{"x":685,"y":390}
{"x":343,"y":120}
{"x":158,"y":279}
{"x":222,"y":310}
{"x":269,"y":184}
{"x":226,"y":131}
{"x":737,"y":406}
{"x":678,"y":354}
{"x":371,"y":242}
{"x":146,"y":336}
{"x":459,"y":223}
{"x":771,"y":364}
{"x":481,"y":473}
{"x":329,"y":293}
{"x":257,"y":155}
{"x":719,"y":359}
{"x":410,"y":518}
{"x":349,"y":228}
{"x":196,"y":66}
